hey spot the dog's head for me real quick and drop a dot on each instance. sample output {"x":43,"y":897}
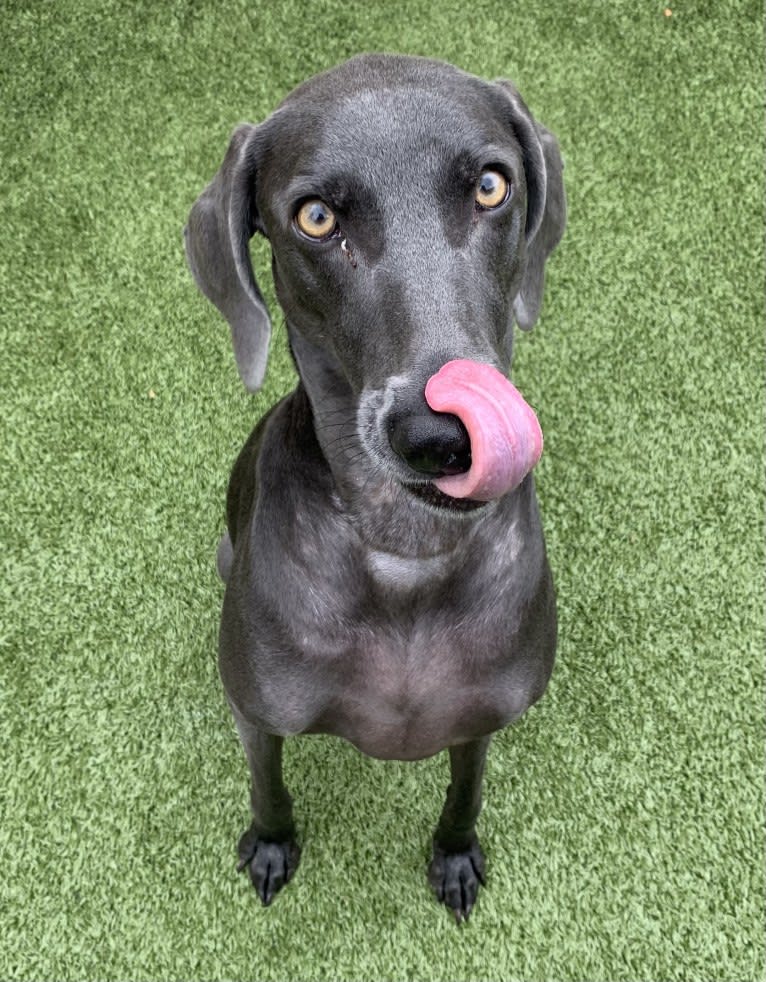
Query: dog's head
{"x":410,"y":209}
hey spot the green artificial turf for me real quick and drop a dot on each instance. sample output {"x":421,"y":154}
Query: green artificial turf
{"x":623,"y":815}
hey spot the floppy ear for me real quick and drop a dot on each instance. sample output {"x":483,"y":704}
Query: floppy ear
{"x":221,"y":223}
{"x":546,"y":203}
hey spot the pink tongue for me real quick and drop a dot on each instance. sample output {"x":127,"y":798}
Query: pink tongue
{"x":506,"y":439}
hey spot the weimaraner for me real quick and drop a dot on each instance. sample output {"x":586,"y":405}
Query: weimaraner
{"x":386,"y":573}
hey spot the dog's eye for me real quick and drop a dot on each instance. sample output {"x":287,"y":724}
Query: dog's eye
{"x":492,"y":189}
{"x":315,"y":219}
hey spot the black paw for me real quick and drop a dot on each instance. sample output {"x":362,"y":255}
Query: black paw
{"x":270,"y":864}
{"x":455,"y":877}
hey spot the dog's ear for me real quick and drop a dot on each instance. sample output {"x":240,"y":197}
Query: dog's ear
{"x":221,"y":223}
{"x":546,"y":203}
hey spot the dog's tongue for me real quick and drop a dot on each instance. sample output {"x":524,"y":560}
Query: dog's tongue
{"x":506,"y":439}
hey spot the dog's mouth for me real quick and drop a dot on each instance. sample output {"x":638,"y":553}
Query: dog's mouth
{"x":431,"y":495}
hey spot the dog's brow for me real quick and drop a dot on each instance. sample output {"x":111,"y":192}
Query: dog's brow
{"x":303,"y":186}
{"x":343,"y":191}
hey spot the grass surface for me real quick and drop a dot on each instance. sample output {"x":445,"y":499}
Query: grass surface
{"x":623,"y":818}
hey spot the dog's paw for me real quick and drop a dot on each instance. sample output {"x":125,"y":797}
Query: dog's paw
{"x":455,"y":878}
{"x":270,"y":864}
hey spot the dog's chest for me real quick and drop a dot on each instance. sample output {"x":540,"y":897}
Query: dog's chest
{"x":409,"y":697}
{"x":411,"y":678}
{"x":402,"y":656}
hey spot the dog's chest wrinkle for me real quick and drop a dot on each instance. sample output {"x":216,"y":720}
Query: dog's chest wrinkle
{"x":395,"y":572}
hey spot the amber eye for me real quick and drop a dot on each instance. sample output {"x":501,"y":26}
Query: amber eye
{"x":315,"y":219}
{"x":492,"y":189}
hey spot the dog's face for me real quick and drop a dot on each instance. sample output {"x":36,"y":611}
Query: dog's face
{"x":410,"y":208}
{"x":396,"y":218}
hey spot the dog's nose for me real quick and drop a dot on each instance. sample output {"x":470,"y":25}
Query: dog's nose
{"x":435,"y":445}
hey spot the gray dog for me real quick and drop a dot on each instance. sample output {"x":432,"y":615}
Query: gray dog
{"x":386,"y":572}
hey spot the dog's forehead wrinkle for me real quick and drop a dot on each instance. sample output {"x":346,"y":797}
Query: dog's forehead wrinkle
{"x":395,"y":134}
{"x":416,"y":114}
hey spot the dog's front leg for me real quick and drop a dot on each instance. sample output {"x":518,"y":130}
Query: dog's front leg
{"x":268,"y":848}
{"x":457,"y":863}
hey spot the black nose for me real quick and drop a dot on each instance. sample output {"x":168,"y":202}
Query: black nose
{"x":435,"y":445}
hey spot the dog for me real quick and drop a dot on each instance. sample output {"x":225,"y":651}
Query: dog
{"x":371,"y":592}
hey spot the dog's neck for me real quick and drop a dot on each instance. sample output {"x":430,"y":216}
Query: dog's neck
{"x":333,"y":411}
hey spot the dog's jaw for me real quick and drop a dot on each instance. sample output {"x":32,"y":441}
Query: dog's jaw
{"x":427,"y":493}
